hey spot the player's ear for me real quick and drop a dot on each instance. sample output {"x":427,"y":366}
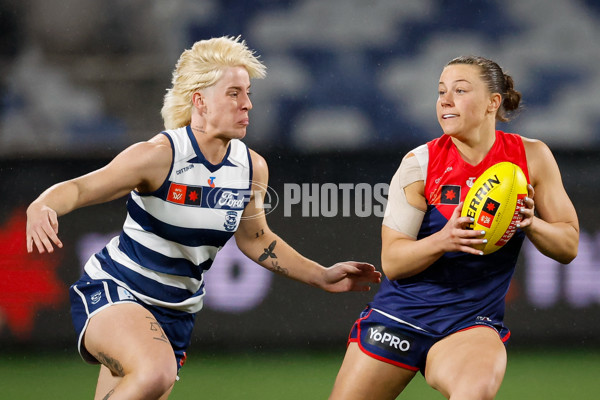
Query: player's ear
{"x":494,"y":103}
{"x":199,"y":101}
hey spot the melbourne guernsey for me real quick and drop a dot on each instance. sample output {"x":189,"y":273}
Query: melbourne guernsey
{"x":458,"y":288}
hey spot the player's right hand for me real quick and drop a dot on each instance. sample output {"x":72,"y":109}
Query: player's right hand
{"x":458,"y":237}
{"x":42,"y":228}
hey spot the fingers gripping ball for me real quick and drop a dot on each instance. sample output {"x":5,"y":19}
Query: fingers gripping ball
{"x":494,"y":201}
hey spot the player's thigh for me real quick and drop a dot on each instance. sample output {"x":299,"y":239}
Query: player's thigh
{"x":363,"y":377}
{"x":126,"y":337}
{"x":470,"y":362}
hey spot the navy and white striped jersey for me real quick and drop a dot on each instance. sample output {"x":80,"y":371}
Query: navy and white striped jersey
{"x":171,"y":236}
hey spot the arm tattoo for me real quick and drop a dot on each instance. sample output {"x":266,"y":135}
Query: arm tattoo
{"x":269,"y":253}
{"x":108,"y":394}
{"x":112,"y":364}
{"x":275,"y":267}
{"x":155,"y":326}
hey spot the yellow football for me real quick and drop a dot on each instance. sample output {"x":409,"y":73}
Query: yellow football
{"x":494,"y":201}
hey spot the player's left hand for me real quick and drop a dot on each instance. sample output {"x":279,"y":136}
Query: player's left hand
{"x":528,"y":210}
{"x":350,"y":276}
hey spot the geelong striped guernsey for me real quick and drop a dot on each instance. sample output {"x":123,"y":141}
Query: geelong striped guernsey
{"x":171,"y":236}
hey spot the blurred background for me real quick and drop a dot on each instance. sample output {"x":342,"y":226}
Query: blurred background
{"x":351,"y":87}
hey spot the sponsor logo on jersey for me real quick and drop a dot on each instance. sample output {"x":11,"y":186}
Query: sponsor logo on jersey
{"x":227,"y":198}
{"x":184,"y":169}
{"x":231,"y":200}
{"x":450,"y":194}
{"x":231,"y":221}
{"x":124,"y":294}
{"x":387,"y":339}
{"x":448,"y":169}
{"x":484,"y":319}
{"x":488,"y":212}
{"x":96,"y":297}
{"x":211,"y":181}
{"x":184,"y":194}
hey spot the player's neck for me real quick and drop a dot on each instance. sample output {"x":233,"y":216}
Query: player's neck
{"x":474,"y":149}
{"x":213,"y":148}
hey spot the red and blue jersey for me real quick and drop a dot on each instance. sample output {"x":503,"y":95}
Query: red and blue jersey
{"x":458,"y":287}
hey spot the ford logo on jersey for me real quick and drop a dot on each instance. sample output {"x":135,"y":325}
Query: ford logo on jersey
{"x":231,"y":200}
{"x":228,"y":198}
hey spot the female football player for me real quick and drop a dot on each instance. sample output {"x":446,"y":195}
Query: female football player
{"x":440,"y":307}
{"x":190,"y":189}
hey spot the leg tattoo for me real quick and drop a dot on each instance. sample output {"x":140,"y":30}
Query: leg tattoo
{"x":155,"y":326}
{"x":112,"y":364}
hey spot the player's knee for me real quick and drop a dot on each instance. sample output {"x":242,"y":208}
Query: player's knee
{"x":155,"y":382}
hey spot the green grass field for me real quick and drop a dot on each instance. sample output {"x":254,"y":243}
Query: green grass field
{"x":531,"y":375}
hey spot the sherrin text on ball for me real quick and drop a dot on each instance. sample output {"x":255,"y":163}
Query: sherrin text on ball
{"x":494,"y":201}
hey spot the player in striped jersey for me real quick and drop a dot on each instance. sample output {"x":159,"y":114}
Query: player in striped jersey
{"x":190,"y":189}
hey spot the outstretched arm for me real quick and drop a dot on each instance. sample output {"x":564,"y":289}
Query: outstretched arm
{"x":142,"y":166}
{"x":259,"y":243}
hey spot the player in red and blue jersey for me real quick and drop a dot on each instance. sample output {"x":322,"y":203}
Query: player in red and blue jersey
{"x":440,"y":307}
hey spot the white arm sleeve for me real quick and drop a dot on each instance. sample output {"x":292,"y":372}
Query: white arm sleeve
{"x":400,"y":215}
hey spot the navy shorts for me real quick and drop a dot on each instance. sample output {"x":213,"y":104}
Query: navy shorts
{"x":389,"y":339}
{"x":90,"y":296}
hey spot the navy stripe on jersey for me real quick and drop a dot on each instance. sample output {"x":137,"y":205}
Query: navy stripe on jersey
{"x":140,"y":283}
{"x":185,"y":236}
{"x":158,"y":262}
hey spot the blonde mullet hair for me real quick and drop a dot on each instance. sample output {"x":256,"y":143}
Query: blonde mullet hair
{"x":200,"y":67}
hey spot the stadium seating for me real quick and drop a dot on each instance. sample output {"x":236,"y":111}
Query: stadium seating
{"x":343,"y":75}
